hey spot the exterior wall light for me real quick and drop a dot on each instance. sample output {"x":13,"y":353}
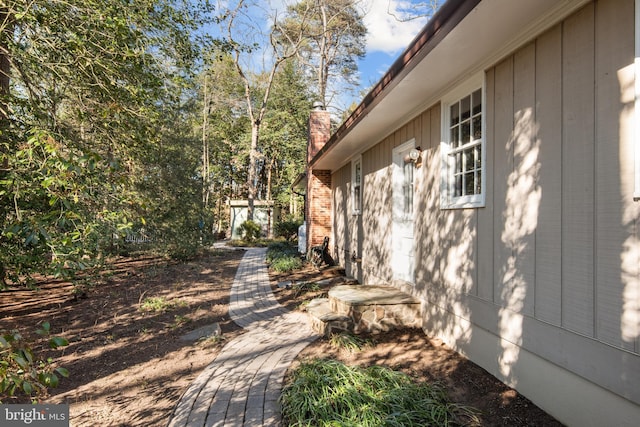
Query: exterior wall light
{"x":415,"y":156}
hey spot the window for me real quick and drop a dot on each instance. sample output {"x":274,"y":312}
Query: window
{"x":463,"y":148}
{"x":403,"y":182}
{"x":407,"y":189}
{"x":356,"y":185}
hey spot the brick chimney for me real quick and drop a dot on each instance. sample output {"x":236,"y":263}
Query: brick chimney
{"x":318,"y":200}
{"x":319,"y":130}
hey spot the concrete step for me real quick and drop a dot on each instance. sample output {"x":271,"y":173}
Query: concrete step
{"x":365,"y":309}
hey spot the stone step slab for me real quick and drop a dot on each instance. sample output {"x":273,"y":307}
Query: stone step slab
{"x":365,"y":309}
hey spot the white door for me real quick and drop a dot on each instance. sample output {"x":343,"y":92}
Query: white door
{"x":403,"y":247}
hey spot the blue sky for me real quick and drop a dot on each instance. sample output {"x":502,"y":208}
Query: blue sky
{"x":389,"y":32}
{"x":391,"y":25}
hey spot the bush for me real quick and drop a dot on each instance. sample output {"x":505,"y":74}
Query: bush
{"x":288,"y":229}
{"x":280,"y":250}
{"x":21,"y":372}
{"x":285,"y":265}
{"x":250,"y":231}
{"x":282,"y":257}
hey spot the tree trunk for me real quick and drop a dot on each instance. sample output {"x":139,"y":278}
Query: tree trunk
{"x":252,"y":176}
{"x":323,"y":66}
{"x":205,"y":148}
{"x":6,"y":33}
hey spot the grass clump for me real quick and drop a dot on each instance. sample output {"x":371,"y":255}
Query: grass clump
{"x":349,"y":342}
{"x":304,"y":287}
{"x":283,"y":257}
{"x":330,"y":393}
{"x":156,"y":305}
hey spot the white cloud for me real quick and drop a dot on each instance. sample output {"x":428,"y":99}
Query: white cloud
{"x":388,"y":28}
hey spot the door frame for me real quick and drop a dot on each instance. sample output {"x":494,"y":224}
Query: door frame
{"x":402,"y":224}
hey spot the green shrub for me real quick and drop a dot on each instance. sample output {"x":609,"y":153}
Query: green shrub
{"x":282,"y":257}
{"x":22,"y":373}
{"x":250,"y":231}
{"x":287,"y":229}
{"x":278,"y":250}
{"x":285,"y":265}
{"x":330,"y":393}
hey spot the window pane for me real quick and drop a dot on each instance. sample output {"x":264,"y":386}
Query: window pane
{"x":457,"y":189}
{"x":468,"y":160}
{"x":478,"y":182}
{"x":465,"y":107}
{"x":477,"y":102}
{"x":469,"y":186}
{"x":458,"y":168}
{"x":408,"y":172}
{"x":455,"y":137}
{"x":477,"y":127}
{"x":465,"y":132}
{"x":478,"y":157}
{"x":455,"y":114}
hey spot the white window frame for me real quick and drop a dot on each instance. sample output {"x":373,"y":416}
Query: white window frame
{"x":356,"y":186}
{"x":448,"y":200}
{"x":636,"y":189}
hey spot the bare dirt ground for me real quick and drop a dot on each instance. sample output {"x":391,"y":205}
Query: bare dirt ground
{"x":129,"y":363}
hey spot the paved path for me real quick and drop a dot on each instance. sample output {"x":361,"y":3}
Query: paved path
{"x":242,"y":385}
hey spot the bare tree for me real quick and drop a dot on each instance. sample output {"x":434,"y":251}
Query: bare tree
{"x":334,"y":41}
{"x":243,"y":31}
{"x":425,"y":9}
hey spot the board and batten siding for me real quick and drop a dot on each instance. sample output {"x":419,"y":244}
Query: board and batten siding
{"x":560,"y":221}
{"x":551,"y":263}
{"x":339,"y":244}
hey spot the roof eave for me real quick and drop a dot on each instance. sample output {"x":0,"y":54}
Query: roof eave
{"x":444,"y":20}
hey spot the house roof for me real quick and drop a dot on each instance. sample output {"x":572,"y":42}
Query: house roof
{"x":463,"y":38}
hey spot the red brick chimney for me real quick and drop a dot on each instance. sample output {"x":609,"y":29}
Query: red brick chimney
{"x":319,"y":130}
{"x":318,"y":201}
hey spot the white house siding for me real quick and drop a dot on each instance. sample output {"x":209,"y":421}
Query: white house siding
{"x":542,"y":285}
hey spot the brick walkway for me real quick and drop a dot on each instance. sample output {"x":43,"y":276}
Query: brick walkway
{"x":242,"y":385}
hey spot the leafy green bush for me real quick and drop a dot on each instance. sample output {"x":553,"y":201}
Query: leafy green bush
{"x":22,"y":373}
{"x":278,"y":250}
{"x":285,"y":265}
{"x":288,"y":229}
{"x":250,"y":231}
{"x":329,"y":393}
{"x":282,"y":257}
